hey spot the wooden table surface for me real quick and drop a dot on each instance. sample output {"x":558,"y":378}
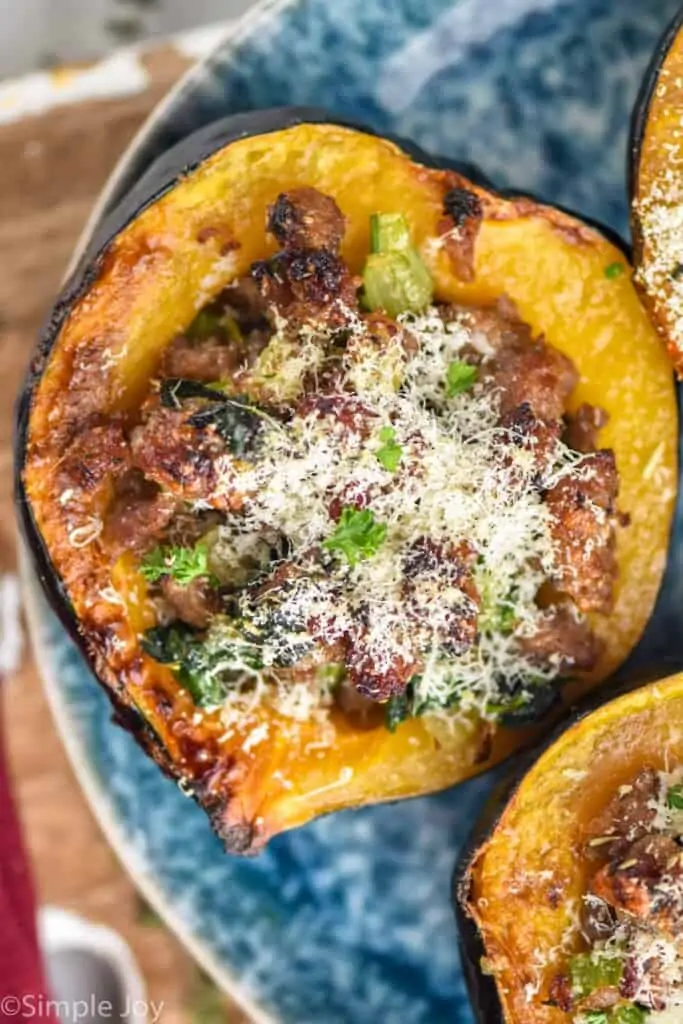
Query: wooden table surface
{"x":51,"y":169}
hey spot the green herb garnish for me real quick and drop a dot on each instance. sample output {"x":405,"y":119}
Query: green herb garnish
{"x":394,"y":279}
{"x":460,"y":376}
{"x":499,"y":618}
{"x":357,"y":536}
{"x":627,"y":1015}
{"x":674,"y":797}
{"x":595,"y":1017}
{"x":614,"y":270}
{"x":183,"y":564}
{"x":590,"y":971}
{"x":389,"y":455}
{"x":506,"y":618}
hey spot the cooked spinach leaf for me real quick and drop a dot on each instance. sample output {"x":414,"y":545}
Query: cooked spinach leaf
{"x":234,"y":417}
{"x":271,"y":619}
{"x":524,"y":699}
{"x":397,"y":710}
{"x":205,"y":666}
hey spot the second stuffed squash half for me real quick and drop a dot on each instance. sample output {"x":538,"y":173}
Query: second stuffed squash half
{"x":571,"y":899}
{"x":343,"y":469}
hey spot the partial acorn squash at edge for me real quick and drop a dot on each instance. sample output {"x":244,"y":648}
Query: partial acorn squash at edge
{"x":520,"y":881}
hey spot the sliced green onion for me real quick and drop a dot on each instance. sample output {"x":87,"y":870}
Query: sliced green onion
{"x":395,"y":279}
{"x":389,"y":232}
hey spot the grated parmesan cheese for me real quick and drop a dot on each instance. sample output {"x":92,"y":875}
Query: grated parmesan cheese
{"x":457,"y":482}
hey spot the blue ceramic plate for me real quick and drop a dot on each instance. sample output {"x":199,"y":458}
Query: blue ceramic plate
{"x":349,"y":919}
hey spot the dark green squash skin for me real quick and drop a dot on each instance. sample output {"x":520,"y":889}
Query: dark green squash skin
{"x":159,"y":179}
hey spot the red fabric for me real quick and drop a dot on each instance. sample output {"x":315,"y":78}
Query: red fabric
{"x":22,"y":981}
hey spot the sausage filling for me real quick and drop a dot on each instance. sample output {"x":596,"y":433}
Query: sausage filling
{"x":333,"y":507}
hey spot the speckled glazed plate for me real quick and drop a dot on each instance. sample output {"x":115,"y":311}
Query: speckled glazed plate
{"x":348,"y":920}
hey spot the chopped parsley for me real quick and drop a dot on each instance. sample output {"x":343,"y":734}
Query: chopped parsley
{"x":184,"y":565}
{"x":674,"y":798}
{"x":614,"y":270}
{"x":497,"y":615}
{"x":460,"y":377}
{"x":357,"y":536}
{"x":389,"y":455}
{"x":505,"y":618}
{"x":590,"y":971}
{"x":595,"y":1017}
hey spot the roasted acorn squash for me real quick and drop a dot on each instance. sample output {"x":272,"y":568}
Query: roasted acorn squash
{"x":657,"y":191}
{"x":196,"y":222}
{"x":521,"y":880}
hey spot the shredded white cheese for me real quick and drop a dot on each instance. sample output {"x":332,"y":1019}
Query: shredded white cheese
{"x":458,"y":482}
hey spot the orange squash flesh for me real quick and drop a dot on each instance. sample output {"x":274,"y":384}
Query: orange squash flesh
{"x":527,"y":879}
{"x":658,"y":196}
{"x":165,"y":265}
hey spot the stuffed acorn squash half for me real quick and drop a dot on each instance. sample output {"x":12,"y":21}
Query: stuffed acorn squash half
{"x":341,"y":467}
{"x":571,"y":902}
